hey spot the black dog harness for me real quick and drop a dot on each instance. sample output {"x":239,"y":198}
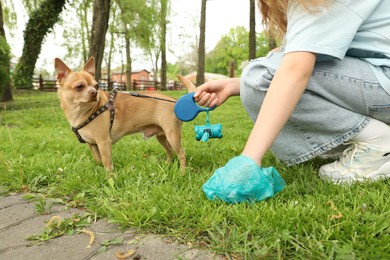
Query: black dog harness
{"x":108,"y":106}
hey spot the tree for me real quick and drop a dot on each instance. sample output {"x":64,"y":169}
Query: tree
{"x":40,"y":23}
{"x":112,"y":43}
{"x":85,"y":29}
{"x":126,"y":14}
{"x":234,"y":46}
{"x":152,"y":44}
{"x":252,"y":30}
{"x":156,"y":47}
{"x":101,"y":15}
{"x":9,"y":16}
{"x":5,"y":81}
{"x":201,"y":48}
{"x":77,"y":30}
{"x":138,"y":26}
{"x":31,"y":5}
{"x":163,"y":37}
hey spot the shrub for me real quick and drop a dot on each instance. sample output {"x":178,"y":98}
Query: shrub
{"x":4,"y":64}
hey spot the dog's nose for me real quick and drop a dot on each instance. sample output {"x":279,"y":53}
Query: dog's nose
{"x":93,"y":92}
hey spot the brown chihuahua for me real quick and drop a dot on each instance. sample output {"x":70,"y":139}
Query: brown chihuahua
{"x":100,"y":119}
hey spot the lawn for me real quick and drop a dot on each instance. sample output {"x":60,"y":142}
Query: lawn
{"x":310,"y":218}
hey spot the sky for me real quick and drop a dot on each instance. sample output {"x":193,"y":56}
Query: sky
{"x":183,"y":29}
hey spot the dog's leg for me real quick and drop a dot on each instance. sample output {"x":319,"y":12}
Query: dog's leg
{"x":95,"y":152}
{"x":163,"y":141}
{"x":105,"y":149}
{"x":174,"y":140}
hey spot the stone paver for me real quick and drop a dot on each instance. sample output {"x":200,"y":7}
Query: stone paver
{"x":19,"y":220}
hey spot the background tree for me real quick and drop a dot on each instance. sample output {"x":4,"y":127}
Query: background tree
{"x":136,"y":19}
{"x":8,"y":15}
{"x":188,"y":39}
{"x":252,"y":30}
{"x":111,"y":39}
{"x":40,"y":23}
{"x":125,"y":7}
{"x":163,"y":39}
{"x":201,"y":48}
{"x":5,"y":79}
{"x":156,"y":47}
{"x":152,"y":44}
{"x":77,"y":21}
{"x":31,"y":5}
{"x":186,"y":64}
{"x":234,"y":46}
{"x":101,"y":15}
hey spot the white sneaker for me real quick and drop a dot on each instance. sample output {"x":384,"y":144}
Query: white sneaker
{"x":335,"y":153}
{"x":359,"y":162}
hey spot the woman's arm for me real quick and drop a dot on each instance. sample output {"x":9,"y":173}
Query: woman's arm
{"x":285,"y":90}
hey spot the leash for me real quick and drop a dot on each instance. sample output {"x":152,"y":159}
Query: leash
{"x":108,"y":106}
{"x":135,"y":94}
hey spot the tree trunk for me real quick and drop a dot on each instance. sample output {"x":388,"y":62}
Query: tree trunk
{"x":252,"y":30}
{"x":101,"y":14}
{"x":111,"y":47}
{"x":2,"y":32}
{"x":155,"y":69}
{"x":232,"y":69}
{"x":201,"y":48}
{"x":5,"y":87}
{"x":40,"y":23}
{"x":128,"y":60}
{"x":163,"y":72}
{"x":84,"y":31}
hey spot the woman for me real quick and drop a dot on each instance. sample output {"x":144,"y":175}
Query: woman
{"x":329,"y":84}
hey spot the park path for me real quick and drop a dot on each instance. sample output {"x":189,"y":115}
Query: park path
{"x":19,"y":220}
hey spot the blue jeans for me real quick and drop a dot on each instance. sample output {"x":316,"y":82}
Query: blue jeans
{"x":340,"y":99}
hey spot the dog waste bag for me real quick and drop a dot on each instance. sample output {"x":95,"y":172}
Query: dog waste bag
{"x":242,"y":180}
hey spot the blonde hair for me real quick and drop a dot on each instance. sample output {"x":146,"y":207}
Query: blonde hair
{"x":274,"y":13}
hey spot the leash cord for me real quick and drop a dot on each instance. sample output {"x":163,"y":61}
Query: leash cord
{"x":134,"y":94}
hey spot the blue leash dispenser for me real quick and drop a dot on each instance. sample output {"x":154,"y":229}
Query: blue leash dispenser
{"x":186,"y":110}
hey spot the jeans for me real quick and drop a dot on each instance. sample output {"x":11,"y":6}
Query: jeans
{"x":340,"y":99}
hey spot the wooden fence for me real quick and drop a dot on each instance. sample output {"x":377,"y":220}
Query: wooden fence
{"x":139,"y":85}
{"x":45,"y":84}
{"x":145,"y":85}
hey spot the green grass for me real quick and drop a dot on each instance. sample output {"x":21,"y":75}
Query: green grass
{"x":39,"y":153}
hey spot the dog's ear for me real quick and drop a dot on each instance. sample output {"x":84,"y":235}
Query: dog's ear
{"x":90,"y":66}
{"x":61,"y":68}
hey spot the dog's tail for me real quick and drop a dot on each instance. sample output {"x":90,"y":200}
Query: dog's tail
{"x":187,"y":83}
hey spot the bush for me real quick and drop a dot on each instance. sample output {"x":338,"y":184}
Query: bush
{"x":4,"y":64}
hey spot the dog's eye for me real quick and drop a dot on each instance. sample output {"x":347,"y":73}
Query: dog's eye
{"x":97,"y":86}
{"x":79,"y":87}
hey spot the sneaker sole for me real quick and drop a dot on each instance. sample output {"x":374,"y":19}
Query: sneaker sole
{"x":382,"y":173}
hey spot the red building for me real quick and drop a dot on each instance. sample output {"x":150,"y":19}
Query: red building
{"x":135,"y":75}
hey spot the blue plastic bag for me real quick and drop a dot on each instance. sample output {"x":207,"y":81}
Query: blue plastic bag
{"x":242,"y":180}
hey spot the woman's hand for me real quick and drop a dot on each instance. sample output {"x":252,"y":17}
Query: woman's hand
{"x":216,"y":92}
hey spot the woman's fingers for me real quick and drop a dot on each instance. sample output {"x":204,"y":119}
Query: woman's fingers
{"x":207,"y":99}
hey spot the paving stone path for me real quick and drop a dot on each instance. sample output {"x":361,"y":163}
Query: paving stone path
{"x":19,"y":220}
